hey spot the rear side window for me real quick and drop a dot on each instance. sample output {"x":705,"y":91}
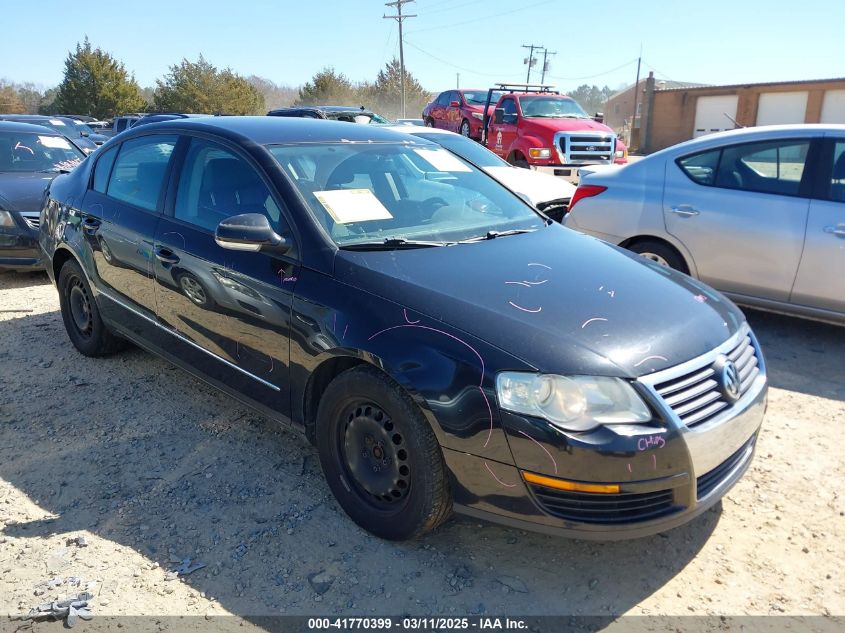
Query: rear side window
{"x":701,"y":168}
{"x":103,"y":168}
{"x":138,"y":173}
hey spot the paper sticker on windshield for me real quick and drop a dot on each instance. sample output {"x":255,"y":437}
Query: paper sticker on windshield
{"x":56,"y":142}
{"x":352,"y":205}
{"x":441,"y":160}
{"x":56,"y":122}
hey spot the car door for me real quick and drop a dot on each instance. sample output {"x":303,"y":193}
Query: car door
{"x":453,"y":112}
{"x":820,"y":283}
{"x":439,"y":109}
{"x":503,"y":135}
{"x":119,"y":215}
{"x":228,"y":309}
{"x":740,"y":211}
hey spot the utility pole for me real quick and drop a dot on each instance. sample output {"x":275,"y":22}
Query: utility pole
{"x":399,"y":18}
{"x":545,"y":64}
{"x":530,"y":59}
{"x":458,"y":80}
{"x":636,"y":99}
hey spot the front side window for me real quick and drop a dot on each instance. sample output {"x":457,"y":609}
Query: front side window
{"x":509,"y":106}
{"x":216,"y":184}
{"x":443,"y":99}
{"x":27,"y":152}
{"x":371,"y":192}
{"x":138,"y":173}
{"x":837,"y":176}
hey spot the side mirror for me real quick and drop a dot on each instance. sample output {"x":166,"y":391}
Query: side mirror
{"x":511,"y":119}
{"x":498,"y":116}
{"x":454,"y":104}
{"x":249,"y":232}
{"x":85,"y":134}
{"x":599,"y":117}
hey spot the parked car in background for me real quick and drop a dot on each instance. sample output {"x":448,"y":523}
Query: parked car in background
{"x":758,"y":213}
{"x":537,"y":127}
{"x":460,"y":111}
{"x":85,"y":130}
{"x":547,"y":193}
{"x":120,"y":124}
{"x":30,"y":157}
{"x":441,"y":342}
{"x":165,"y":116}
{"x":350,"y":114}
{"x":64,"y":126}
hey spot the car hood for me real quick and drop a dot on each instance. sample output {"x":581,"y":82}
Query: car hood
{"x":568,"y":125}
{"x":537,"y":187}
{"x":558,"y":300}
{"x":23,"y":191}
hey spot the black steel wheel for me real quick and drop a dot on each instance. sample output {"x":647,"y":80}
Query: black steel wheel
{"x":380,"y":456}
{"x":81,"y":315}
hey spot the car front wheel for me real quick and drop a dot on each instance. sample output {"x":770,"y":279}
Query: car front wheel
{"x":465,"y":129}
{"x":380,"y":457}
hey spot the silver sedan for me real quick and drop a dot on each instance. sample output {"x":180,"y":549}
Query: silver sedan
{"x":758,"y":213}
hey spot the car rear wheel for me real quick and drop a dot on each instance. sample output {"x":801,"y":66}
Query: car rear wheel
{"x":380,"y":457}
{"x":465,"y":129}
{"x":81,"y":315}
{"x":660,"y":253}
{"x":429,"y":123}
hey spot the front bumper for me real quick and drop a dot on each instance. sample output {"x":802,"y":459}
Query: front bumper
{"x":19,"y":249}
{"x":667,"y":474}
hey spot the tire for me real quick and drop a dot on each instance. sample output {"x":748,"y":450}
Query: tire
{"x":380,"y":457}
{"x":661,"y":253}
{"x":465,"y":130}
{"x":81,"y":316}
{"x":429,"y":122}
{"x":519,"y":162}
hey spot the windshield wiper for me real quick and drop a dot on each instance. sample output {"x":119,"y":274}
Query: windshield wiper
{"x":491,"y":235}
{"x":391,"y":243}
{"x":54,"y":170}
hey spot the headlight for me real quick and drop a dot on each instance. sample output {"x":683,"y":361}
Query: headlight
{"x":573,"y":403}
{"x":478,"y":115}
{"x":6,"y":219}
{"x":539,"y":152}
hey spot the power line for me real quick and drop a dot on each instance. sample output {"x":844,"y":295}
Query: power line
{"x":453,"y":65}
{"x":484,"y":17}
{"x":606,"y":72}
{"x":400,"y":18}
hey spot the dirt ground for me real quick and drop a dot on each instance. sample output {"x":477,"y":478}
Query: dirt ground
{"x":152,"y":467}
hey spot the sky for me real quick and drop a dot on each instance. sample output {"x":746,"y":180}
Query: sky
{"x":287,"y":41}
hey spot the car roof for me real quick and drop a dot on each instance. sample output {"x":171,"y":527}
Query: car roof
{"x":416,"y":129}
{"x":270,"y":130}
{"x":18,"y":126}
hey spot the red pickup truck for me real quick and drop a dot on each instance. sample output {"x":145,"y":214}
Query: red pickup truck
{"x":535,"y":127}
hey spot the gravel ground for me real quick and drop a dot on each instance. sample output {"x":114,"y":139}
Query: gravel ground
{"x":151,"y":467}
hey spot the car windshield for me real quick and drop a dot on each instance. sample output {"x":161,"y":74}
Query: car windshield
{"x":356,"y":116}
{"x":27,"y":152}
{"x":465,"y":148}
{"x":479,"y":97}
{"x":398,"y":193}
{"x":83,"y":127}
{"x":552,"y":107}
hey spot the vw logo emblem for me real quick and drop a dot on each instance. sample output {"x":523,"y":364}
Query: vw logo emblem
{"x":728,"y":377}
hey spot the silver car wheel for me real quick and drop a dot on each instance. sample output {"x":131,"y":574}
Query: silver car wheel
{"x":655,"y":258}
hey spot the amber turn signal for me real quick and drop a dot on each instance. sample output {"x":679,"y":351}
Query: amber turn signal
{"x":574,"y":486}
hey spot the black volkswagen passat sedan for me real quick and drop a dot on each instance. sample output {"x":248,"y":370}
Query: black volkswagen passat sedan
{"x":30,"y":157}
{"x":442,"y":343}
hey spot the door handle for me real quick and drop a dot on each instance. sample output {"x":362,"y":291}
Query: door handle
{"x":90,"y":225}
{"x":685,"y":210}
{"x":838,"y":231}
{"x":166,"y":256}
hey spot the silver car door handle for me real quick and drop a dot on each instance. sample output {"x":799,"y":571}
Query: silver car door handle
{"x":837,"y":231}
{"x":685,"y":210}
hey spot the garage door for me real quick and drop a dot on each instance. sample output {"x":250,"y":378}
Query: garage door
{"x":833,"y":107}
{"x":775,"y":108}
{"x":711,"y":114}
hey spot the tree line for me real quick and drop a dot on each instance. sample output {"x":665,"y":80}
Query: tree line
{"x":98,"y":85}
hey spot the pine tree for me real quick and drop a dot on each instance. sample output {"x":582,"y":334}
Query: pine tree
{"x":200,"y":88}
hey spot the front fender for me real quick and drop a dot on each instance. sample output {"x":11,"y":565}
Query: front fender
{"x":449,"y":373}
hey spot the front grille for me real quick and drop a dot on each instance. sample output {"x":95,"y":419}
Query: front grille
{"x":593,"y":148}
{"x":707,"y":482}
{"x":586,"y":507}
{"x":31,"y":219}
{"x":695,"y":396}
